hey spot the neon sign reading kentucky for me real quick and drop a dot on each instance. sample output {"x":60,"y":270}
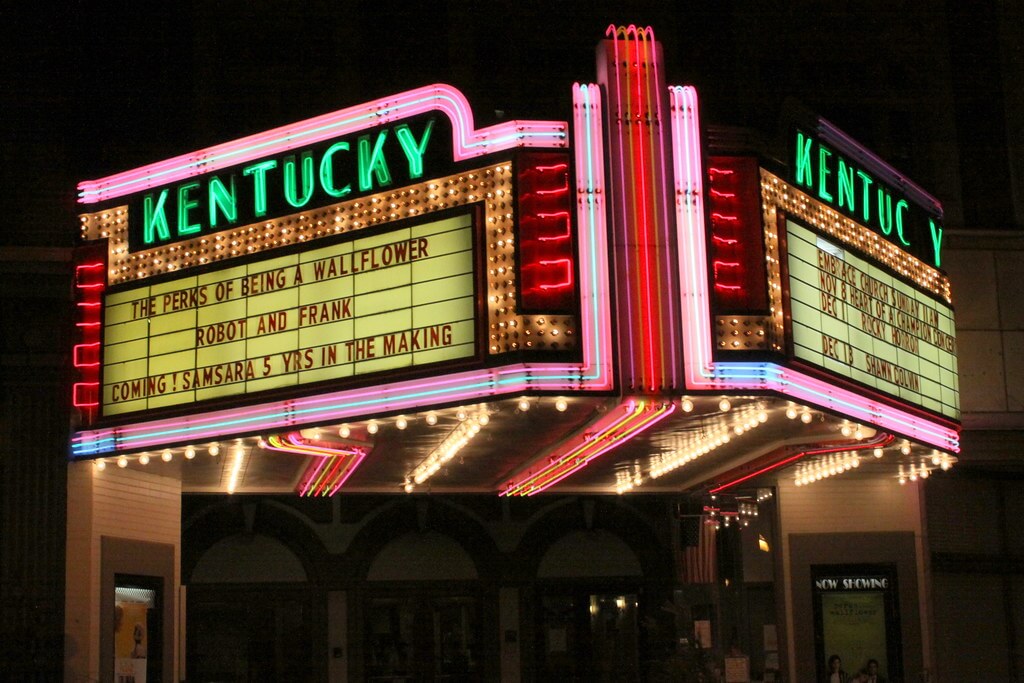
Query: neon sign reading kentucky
{"x":850,"y":188}
{"x":276,"y":186}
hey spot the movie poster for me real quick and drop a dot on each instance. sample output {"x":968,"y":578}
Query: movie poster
{"x":854,"y":626}
{"x":130,"y":641}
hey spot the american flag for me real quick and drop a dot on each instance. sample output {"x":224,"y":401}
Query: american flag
{"x":697,"y":560}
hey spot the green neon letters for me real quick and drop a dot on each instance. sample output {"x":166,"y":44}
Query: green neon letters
{"x":277,"y":186}
{"x":827,"y":175}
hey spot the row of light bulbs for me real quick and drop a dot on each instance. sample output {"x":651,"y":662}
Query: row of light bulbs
{"x":823,"y":468}
{"x":748,"y":418}
{"x":823,"y":217}
{"x":476,"y":416}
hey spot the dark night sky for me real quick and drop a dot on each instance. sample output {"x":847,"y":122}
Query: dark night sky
{"x":92,"y":88}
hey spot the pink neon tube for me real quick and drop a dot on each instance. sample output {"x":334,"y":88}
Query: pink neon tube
{"x":467,"y":142}
{"x":595,"y":332}
{"x":700,"y":369}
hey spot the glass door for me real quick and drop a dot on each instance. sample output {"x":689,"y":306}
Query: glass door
{"x":423,"y":638}
{"x":589,"y":636}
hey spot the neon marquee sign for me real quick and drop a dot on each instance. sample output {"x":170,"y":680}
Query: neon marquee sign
{"x":892,"y":207}
{"x":382,"y":302}
{"x":268,"y":187}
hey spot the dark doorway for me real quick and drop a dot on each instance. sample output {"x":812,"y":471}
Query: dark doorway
{"x":421,"y":637}
{"x":589,"y":635}
{"x":248,"y":635}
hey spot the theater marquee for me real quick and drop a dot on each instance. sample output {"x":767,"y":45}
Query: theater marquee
{"x":394,"y":300}
{"x":855,"y":319}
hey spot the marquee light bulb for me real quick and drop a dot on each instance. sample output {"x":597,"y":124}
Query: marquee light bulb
{"x":214,"y":449}
{"x":791,"y":413}
{"x":431,"y":419}
{"x":686,"y":405}
{"x":101,"y":465}
{"x":166,"y":456}
{"x":806,"y":417}
{"x":878,"y":453}
{"x":372,"y":427}
{"x":144,"y":459}
{"x":905,"y":448}
{"x":122,"y":462}
{"x":190,"y":453}
{"x":344,"y":431}
{"x":724,"y":405}
{"x":483,"y":419}
{"x":524,"y":405}
{"x":401,"y":422}
{"x":561,"y":405}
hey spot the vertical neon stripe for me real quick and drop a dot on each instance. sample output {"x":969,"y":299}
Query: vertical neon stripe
{"x":700,"y":369}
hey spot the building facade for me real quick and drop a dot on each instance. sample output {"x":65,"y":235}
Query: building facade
{"x":383,"y":395}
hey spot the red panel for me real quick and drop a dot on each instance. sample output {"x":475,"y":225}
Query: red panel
{"x":737,"y":236}
{"x":547,"y":271}
{"x":90,"y":282}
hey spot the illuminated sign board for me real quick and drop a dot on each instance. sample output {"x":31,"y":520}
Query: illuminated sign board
{"x":855,"y":319}
{"x":849,"y":187}
{"x":389,"y":301}
{"x":303,"y":179}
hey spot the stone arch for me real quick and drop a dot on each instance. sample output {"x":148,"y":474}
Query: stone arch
{"x":414,"y":522}
{"x":422,"y":556}
{"x":593,"y":553}
{"x":588,"y":525}
{"x":248,"y":558}
{"x":244,"y":519}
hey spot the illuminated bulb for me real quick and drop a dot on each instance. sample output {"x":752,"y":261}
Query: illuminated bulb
{"x":806,"y":417}
{"x":122,"y":462}
{"x":408,"y":487}
{"x":858,"y":433}
{"x":724,"y":405}
{"x":144,"y":459}
{"x":762,"y":417}
{"x":166,"y":456}
{"x":372,"y":427}
{"x":101,"y":465}
{"x":686,"y":405}
{"x":190,"y":453}
{"x":344,"y":431}
{"x":905,"y":448}
{"x":946,"y":464}
{"x":431,"y":419}
{"x":401,"y":422}
{"x":483,"y":419}
{"x":214,"y":449}
{"x":878,"y":452}
{"x":936,"y":458}
{"x":791,"y":413}
{"x":561,"y":404}
{"x":460,"y":415}
{"x":846,"y":430}
{"x":524,"y":405}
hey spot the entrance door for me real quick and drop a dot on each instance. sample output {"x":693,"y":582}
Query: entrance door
{"x":248,"y":635}
{"x":424,"y":638}
{"x":589,"y":636}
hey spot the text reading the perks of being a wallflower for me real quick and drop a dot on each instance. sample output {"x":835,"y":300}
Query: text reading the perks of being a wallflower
{"x":394,"y":300}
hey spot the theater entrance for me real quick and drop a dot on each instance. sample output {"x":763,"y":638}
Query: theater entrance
{"x":589,"y":636}
{"x":416,"y":636}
